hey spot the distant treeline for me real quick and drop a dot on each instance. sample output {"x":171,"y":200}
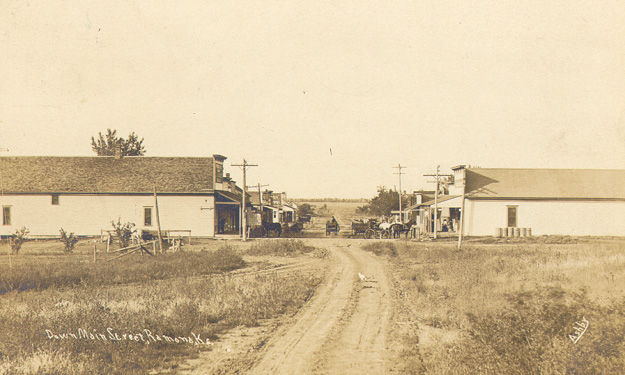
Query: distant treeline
{"x":352,"y":200}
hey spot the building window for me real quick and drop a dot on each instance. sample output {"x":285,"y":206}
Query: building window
{"x":6,"y":215}
{"x":512,"y":216}
{"x":147,"y":216}
{"x":55,"y":199}
{"x":219,"y":172}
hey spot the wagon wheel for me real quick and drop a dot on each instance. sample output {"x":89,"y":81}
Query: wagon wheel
{"x":369,"y":233}
{"x":385,"y":234}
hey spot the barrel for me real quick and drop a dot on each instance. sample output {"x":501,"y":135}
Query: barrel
{"x":510,"y":231}
{"x":523,"y":232}
{"x":517,"y":232}
{"x":529,"y":232}
{"x":499,"y":232}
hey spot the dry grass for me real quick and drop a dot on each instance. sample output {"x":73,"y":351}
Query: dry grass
{"x":43,"y":272}
{"x":288,"y":247}
{"x":138,"y":303}
{"x":509,"y":308}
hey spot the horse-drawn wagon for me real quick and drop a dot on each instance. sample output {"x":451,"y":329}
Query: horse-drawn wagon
{"x":371,"y":229}
{"x":332,"y":227}
{"x":366,"y":228}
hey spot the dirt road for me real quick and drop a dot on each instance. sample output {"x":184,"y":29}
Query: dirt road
{"x":343,"y":329}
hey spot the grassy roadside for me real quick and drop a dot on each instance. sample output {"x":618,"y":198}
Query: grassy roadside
{"x":71,"y":270}
{"x":123,"y":320}
{"x":510,"y":308}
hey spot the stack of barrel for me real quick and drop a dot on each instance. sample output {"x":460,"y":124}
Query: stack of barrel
{"x":513,"y":232}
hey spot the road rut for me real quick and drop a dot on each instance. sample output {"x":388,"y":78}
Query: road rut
{"x":343,"y":329}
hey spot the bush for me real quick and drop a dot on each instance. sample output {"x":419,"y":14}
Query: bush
{"x":69,"y":240}
{"x":18,"y":239}
{"x":381,"y":248}
{"x":226,"y":258}
{"x":280,"y":247}
{"x":123,"y":232}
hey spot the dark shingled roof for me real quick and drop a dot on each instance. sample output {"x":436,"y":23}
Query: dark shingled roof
{"x":105,"y":174}
{"x":500,"y":183}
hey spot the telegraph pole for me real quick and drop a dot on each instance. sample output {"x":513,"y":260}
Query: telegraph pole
{"x":437,"y":181}
{"x":464,"y":190}
{"x":244,"y":167}
{"x":401,"y":214}
{"x":2,"y":191}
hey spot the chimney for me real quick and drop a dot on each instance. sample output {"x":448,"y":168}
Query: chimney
{"x":118,"y":151}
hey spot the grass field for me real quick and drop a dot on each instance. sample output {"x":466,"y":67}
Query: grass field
{"x":64,"y":314}
{"x":510,"y":308}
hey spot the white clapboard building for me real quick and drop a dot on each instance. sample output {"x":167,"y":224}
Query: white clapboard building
{"x":546,"y":201}
{"x":84,"y":194}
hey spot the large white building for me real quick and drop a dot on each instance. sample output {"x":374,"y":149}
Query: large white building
{"x":577,"y":202}
{"x":547,"y":201}
{"x":84,"y":194}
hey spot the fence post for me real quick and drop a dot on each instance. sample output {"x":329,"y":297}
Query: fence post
{"x":9,"y":249}
{"x":94,"y":256}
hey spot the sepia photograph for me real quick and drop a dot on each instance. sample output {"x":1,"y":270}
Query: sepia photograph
{"x":312,"y":187}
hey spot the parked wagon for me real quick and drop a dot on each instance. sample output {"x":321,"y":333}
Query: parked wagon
{"x":332,"y":227}
{"x":383,"y":231}
{"x":366,"y":228}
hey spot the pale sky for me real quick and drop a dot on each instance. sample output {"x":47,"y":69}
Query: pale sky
{"x":525,"y":84}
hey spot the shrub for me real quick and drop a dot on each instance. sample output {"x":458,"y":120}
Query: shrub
{"x":280,"y":247}
{"x":69,"y":240}
{"x":226,"y":258}
{"x":18,"y":239}
{"x":123,"y":232}
{"x":381,"y":248}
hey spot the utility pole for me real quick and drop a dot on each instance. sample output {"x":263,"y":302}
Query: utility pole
{"x":244,"y":167}
{"x":158,"y":223}
{"x":2,"y":192}
{"x":437,"y":181}
{"x":401,"y":214}
{"x":464,"y":189}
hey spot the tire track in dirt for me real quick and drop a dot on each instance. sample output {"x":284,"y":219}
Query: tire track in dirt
{"x":358,"y":344}
{"x":343,"y":329}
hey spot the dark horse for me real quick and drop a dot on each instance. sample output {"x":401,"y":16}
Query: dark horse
{"x":398,"y":228}
{"x":272,"y":229}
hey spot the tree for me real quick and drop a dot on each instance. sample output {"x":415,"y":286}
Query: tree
{"x":305,"y":209}
{"x":17,"y":239}
{"x":69,"y":240}
{"x":123,"y":232}
{"x":385,"y":202}
{"x":105,"y":145}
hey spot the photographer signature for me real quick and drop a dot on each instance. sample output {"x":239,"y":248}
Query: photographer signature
{"x":580,"y":328}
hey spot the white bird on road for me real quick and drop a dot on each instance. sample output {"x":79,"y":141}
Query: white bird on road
{"x":362,"y":277}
